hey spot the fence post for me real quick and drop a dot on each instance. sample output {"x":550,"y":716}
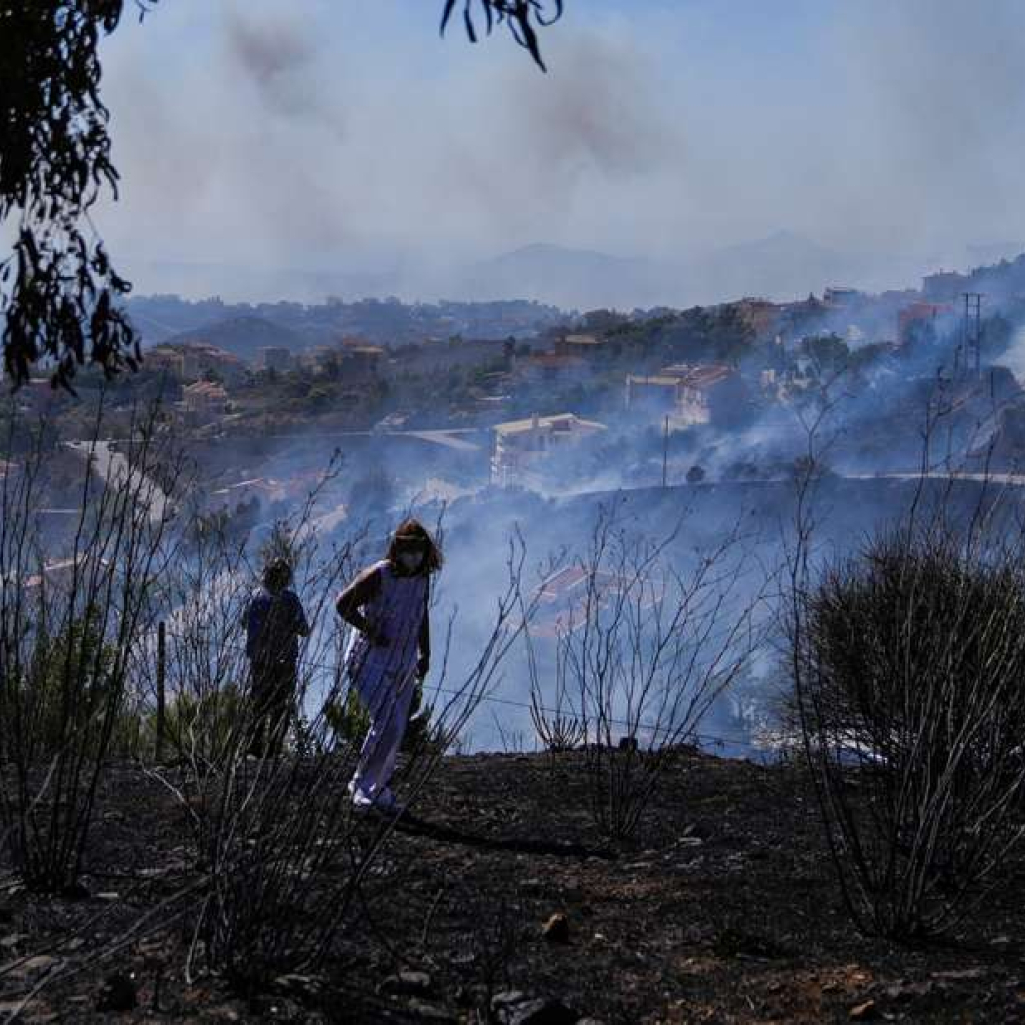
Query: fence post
{"x":161,"y":676}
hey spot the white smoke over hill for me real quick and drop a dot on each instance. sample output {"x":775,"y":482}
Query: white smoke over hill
{"x":348,"y":138}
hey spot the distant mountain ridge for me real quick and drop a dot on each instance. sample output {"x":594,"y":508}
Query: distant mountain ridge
{"x":779,"y":266}
{"x":578,"y":278}
{"x":782,"y":265}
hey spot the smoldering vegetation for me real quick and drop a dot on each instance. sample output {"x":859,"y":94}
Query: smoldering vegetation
{"x":862,"y":632}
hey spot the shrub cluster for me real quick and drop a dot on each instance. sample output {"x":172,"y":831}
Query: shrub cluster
{"x":909,"y":663}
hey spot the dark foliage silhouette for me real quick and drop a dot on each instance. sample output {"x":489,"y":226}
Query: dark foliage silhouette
{"x":59,"y":291}
{"x":523,"y":18}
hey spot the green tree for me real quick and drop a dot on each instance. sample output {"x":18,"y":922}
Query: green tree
{"x":731,"y":334}
{"x":829,"y":352}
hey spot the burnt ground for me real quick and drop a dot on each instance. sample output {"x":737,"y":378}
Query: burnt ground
{"x":724,"y":910}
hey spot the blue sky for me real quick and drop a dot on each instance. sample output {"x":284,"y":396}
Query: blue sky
{"x":284,"y":133}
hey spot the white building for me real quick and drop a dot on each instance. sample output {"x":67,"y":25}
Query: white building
{"x":524,"y":448}
{"x":704,"y":393}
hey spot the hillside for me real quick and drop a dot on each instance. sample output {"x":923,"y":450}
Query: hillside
{"x":724,"y":911}
{"x":241,"y":336}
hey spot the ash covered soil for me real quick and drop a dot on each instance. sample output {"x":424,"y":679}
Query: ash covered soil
{"x":725,"y":909}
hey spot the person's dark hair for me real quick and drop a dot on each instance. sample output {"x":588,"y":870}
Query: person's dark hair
{"x":413,"y":534}
{"x":277,"y":575}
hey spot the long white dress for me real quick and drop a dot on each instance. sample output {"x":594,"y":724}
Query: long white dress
{"x":384,"y":675}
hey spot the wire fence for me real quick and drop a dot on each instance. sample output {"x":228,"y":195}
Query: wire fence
{"x":741,"y":740}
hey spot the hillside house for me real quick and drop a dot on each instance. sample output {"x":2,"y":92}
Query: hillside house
{"x":590,"y":348}
{"x":360,"y":361}
{"x":524,"y":449}
{"x":709,"y":393}
{"x":62,"y":574}
{"x":351,"y":360}
{"x":207,"y":361}
{"x":690,"y":394}
{"x":205,"y":401}
{"x":943,"y":286}
{"x":562,"y":599}
{"x":566,"y":598}
{"x":655,"y":394}
{"x":839,"y":297}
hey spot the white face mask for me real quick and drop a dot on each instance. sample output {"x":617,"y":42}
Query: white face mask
{"x":411,"y":561}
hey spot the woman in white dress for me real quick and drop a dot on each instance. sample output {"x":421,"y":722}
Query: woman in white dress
{"x":387,"y":604}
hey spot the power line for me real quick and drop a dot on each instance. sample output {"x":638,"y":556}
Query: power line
{"x":652,"y":728}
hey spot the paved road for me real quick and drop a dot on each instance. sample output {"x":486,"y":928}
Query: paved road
{"x":448,"y":439}
{"x":113,"y":467}
{"x":455,"y":438}
{"x":1012,"y":479}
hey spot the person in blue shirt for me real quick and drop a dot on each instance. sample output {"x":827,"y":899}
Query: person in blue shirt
{"x":275,"y":621}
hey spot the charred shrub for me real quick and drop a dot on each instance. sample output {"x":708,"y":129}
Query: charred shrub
{"x":909,"y":661}
{"x":204,"y":726}
{"x":73,"y":613}
{"x":282,"y":849}
{"x":638,"y":645}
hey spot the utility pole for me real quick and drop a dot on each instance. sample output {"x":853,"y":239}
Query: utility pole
{"x":972,"y":329}
{"x":665,"y":450}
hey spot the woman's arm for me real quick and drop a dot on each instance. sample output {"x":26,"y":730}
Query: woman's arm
{"x":362,"y":590}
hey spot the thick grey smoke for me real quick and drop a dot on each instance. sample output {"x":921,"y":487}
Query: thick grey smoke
{"x":936,"y":100}
{"x":269,"y":50}
{"x":349,"y":137}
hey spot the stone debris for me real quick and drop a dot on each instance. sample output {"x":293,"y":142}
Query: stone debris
{"x":507,"y":998}
{"x":863,"y":1012}
{"x":423,"y":1011}
{"x":304,"y":987}
{"x":118,"y":993}
{"x":556,"y":929}
{"x":411,"y":983}
{"x":32,"y":965}
{"x":541,"y":1012}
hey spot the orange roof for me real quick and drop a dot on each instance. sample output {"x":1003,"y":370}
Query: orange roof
{"x":562,"y":580}
{"x":206,"y":388}
{"x":922,"y":309}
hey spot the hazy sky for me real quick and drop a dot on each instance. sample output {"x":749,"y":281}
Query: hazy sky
{"x":312,"y":133}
